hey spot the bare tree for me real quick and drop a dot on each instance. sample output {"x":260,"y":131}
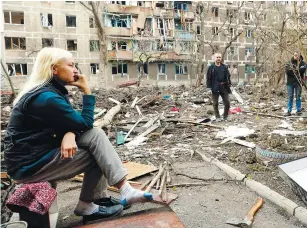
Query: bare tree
{"x":96,"y":9}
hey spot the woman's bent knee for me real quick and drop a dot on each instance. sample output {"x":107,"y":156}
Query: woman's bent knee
{"x":92,"y":134}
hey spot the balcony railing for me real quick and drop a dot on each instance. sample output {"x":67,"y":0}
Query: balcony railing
{"x":184,"y":35}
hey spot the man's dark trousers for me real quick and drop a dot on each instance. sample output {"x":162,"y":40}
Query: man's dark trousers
{"x":225,"y":96}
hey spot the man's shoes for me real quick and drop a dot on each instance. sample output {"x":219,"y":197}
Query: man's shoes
{"x":287,"y":114}
{"x":104,"y":212}
{"x":299,"y":113}
{"x":225,"y":118}
{"x":109,"y":201}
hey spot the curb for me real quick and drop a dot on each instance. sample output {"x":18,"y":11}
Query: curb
{"x":301,"y":214}
{"x":288,"y":205}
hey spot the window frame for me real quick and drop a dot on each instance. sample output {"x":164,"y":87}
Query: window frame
{"x":48,"y":16}
{"x":249,"y":50}
{"x":92,"y":23}
{"x":10,"y":17}
{"x":93,"y":46}
{"x":248,"y":33}
{"x":215,"y":30}
{"x":94,"y":67}
{"x":159,"y":67}
{"x":182,"y":69}
{"x":14,"y":69}
{"x":75,"y":42}
{"x":121,"y":67}
{"x":12,"y":43}
{"x":73,"y":16}
{"x":215,"y":11}
{"x":52,"y":41}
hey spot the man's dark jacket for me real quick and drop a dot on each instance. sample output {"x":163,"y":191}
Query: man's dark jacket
{"x":212,"y":78}
{"x":37,"y":125}
{"x":292,"y":73}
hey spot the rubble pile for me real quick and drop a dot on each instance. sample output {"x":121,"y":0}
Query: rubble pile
{"x":167,"y":124}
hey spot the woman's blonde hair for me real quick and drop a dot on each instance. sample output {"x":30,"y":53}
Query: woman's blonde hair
{"x":42,"y":69}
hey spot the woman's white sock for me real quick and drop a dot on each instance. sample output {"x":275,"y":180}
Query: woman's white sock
{"x":131,"y":195}
{"x":85,"y":208}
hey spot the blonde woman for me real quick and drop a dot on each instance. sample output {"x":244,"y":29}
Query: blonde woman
{"x":47,"y":140}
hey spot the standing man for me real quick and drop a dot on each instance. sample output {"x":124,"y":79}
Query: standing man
{"x":295,"y":70}
{"x":218,"y":80}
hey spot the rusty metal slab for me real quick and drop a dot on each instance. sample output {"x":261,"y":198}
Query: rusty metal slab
{"x":162,"y":217}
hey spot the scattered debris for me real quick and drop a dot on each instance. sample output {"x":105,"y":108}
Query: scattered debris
{"x":294,"y":173}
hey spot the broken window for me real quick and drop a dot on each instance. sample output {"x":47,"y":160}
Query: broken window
{"x":248,"y":33}
{"x":114,"y":45}
{"x":231,"y":13}
{"x":47,"y":42}
{"x":145,"y":45}
{"x":249,"y":51}
{"x":120,"y":21}
{"x":94,"y":45}
{"x":119,"y":2}
{"x":181,"y":69}
{"x":46,"y":20}
{"x":13,"y":17}
{"x":215,"y":11}
{"x":198,"y":32}
{"x":17,"y":69}
{"x":71,"y":21}
{"x":120,"y":68}
{"x":119,"y":45}
{"x":181,"y":6}
{"x":215,"y":30}
{"x":160,"y":4}
{"x":145,"y":68}
{"x":247,"y":15}
{"x":170,"y":46}
{"x":250,"y":69}
{"x":92,"y":23}
{"x":186,"y":47}
{"x":122,"y":45}
{"x":16,"y":43}
{"x":231,"y":51}
{"x":147,"y":31}
{"x":94,"y":68}
{"x":160,"y":26}
{"x":71,"y":45}
{"x":178,"y":25}
{"x":161,"y":68}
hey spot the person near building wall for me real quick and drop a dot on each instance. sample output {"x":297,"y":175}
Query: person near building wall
{"x":218,"y":80}
{"x":295,"y":71}
{"x":47,"y":140}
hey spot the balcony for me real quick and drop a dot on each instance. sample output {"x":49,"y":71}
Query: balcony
{"x":184,"y":35}
{"x":118,"y":31}
{"x":164,"y":13}
{"x":178,"y":14}
{"x":124,"y":9}
{"x":162,"y":56}
{"x":120,"y":55}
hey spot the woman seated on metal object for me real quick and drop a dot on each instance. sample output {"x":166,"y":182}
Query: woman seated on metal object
{"x":47,"y":140}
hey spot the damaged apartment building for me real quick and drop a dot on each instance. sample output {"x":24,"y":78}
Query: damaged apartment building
{"x":158,"y":39}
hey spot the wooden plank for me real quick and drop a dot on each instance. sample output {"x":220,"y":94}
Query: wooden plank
{"x":136,"y":169}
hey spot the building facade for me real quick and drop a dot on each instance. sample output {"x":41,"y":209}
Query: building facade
{"x":156,"y":39}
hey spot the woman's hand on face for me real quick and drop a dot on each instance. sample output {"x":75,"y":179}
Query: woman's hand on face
{"x":68,"y":146}
{"x":81,"y":83}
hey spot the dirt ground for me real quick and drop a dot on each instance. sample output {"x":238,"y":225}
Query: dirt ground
{"x":177,"y":141}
